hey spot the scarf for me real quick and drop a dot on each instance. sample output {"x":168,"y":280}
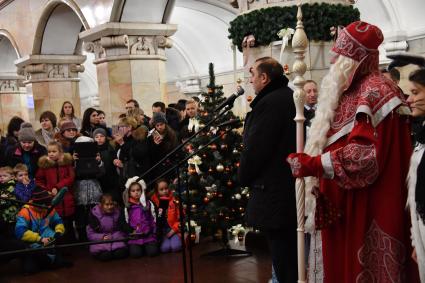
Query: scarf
{"x":48,"y":135}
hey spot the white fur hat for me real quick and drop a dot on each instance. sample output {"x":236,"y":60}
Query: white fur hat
{"x":84,"y":139}
{"x":127,"y":187}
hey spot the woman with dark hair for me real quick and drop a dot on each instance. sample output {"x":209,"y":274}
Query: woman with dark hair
{"x":48,"y":129}
{"x":133,"y":158}
{"x":68,"y":112}
{"x":11,"y":139}
{"x":416,"y":177}
{"x":90,"y":122}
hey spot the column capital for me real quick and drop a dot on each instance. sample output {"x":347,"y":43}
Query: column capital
{"x":44,"y":68}
{"x":11,"y":83}
{"x":128,"y":41}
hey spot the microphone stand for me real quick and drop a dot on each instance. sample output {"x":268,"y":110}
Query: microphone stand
{"x":179,"y":147}
{"x":224,"y":108}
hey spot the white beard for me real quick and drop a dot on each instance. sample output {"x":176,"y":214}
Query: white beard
{"x":331,"y":89}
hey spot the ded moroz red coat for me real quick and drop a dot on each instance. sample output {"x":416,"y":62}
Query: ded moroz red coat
{"x":361,"y":209}
{"x":52,"y":174}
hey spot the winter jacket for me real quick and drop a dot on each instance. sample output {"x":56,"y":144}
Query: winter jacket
{"x":135,"y":150}
{"x":23,"y":192}
{"x":52,"y":174}
{"x":30,"y":158}
{"x":268,"y":138}
{"x":102,"y":224}
{"x":8,"y":209}
{"x":168,"y":216}
{"x":31,"y":225}
{"x":109,"y":181}
{"x":142,"y":221}
{"x":159,"y":151}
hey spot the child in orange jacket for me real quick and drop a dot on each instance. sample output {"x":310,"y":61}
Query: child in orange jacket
{"x":168,"y":216}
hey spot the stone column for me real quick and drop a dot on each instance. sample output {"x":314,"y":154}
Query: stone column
{"x":52,"y":79}
{"x":14,"y":100}
{"x":130,"y":61}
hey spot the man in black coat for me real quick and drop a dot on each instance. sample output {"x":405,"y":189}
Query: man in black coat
{"x":269,"y":136}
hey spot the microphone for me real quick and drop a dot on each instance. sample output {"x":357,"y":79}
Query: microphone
{"x":231,"y":99}
{"x":57,"y":199}
{"x":232,"y":122}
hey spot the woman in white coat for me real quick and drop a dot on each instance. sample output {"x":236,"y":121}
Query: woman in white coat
{"x":416,"y":177}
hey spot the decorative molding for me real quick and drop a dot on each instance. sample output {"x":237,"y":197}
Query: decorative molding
{"x":40,"y":68}
{"x":395,"y":47}
{"x":129,"y":47}
{"x":143,"y":46}
{"x":8,"y":86}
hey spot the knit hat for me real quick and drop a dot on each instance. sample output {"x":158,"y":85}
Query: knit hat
{"x":84,"y":139}
{"x":159,"y":117}
{"x":26,"y":133}
{"x":99,"y":131}
{"x":41,"y":196}
{"x":358,"y":40}
{"x":67,"y":125}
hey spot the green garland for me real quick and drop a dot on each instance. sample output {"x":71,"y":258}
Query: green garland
{"x":264,"y":24}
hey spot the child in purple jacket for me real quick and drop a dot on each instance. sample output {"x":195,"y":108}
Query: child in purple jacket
{"x":106,"y":222}
{"x":140,"y":216}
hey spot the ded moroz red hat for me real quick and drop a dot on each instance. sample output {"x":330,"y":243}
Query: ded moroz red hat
{"x":358,"y":40}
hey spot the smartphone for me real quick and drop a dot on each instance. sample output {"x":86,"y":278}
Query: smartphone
{"x":115,"y":130}
{"x":155,"y":134}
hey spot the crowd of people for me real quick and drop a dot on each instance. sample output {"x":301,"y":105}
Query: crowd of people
{"x":359,"y":167}
{"x":95,"y":170}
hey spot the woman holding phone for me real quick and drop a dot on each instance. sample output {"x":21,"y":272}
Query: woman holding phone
{"x":162,"y":141}
{"x":133,"y":157}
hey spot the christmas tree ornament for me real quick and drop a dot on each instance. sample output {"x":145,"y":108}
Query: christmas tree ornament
{"x":238,"y":196}
{"x":206,"y":200}
{"x":193,"y":237}
{"x":193,"y":206}
{"x":220,"y":195}
{"x":229,"y":183}
{"x":220,"y":168}
{"x":213,"y":146}
{"x":210,"y":170}
{"x":235,"y":151}
{"x":223,"y":146}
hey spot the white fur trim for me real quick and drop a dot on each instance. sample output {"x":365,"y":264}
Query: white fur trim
{"x":328,"y":169}
{"x":418,"y":227}
{"x":134,"y":180}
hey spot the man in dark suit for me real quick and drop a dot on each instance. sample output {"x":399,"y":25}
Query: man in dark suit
{"x":310,"y":88}
{"x":269,"y":136}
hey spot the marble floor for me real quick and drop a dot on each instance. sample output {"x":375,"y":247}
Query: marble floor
{"x":166,"y":268}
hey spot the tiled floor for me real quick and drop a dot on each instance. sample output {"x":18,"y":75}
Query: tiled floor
{"x":166,"y":268}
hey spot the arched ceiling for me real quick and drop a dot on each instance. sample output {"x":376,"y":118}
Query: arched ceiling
{"x":144,"y":11}
{"x":61,"y":32}
{"x":201,"y":38}
{"x":398,"y":19}
{"x":8,"y":55}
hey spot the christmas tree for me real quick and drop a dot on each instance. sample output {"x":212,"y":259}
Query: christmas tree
{"x":216,"y":200}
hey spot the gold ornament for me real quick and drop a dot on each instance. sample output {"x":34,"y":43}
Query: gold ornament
{"x":220,"y":167}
